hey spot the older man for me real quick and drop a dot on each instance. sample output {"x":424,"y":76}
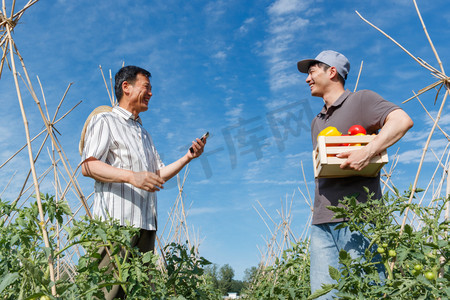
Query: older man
{"x":120,"y":155}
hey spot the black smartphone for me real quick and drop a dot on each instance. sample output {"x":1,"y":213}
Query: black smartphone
{"x":203,"y":139}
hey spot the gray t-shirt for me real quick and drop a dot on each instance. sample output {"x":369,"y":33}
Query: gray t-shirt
{"x":365,"y":108}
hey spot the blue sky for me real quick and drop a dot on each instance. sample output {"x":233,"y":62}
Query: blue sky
{"x":227,"y":67}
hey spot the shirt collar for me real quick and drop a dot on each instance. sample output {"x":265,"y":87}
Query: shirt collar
{"x":126,"y":114}
{"x":336,"y":103}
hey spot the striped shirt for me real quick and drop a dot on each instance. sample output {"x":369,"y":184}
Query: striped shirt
{"x":118,"y":139}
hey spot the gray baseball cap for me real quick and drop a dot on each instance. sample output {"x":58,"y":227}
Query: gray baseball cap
{"x":329,"y":57}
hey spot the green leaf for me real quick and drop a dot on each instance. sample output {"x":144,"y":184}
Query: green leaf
{"x":326,"y":288}
{"x":147,"y":257}
{"x":442,"y":244}
{"x":408,"y":229}
{"x":334,"y":273}
{"x":8,"y":280}
{"x":344,"y":257}
{"x":101,"y":233}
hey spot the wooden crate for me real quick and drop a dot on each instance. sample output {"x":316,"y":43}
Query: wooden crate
{"x":326,"y":164}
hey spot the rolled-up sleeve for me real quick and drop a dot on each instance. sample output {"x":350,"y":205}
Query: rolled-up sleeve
{"x":97,"y":139}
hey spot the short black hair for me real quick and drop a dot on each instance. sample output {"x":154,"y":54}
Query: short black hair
{"x":325,"y":67}
{"x":128,"y":74}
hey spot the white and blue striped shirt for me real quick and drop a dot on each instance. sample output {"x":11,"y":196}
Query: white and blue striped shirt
{"x":118,"y":139}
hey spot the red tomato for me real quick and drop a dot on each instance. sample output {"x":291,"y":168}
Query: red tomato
{"x":355,"y":129}
{"x":345,"y":144}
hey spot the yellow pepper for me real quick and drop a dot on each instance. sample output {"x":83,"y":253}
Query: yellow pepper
{"x":329,"y":131}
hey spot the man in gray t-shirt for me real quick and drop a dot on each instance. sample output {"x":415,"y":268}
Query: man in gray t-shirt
{"x":326,"y":77}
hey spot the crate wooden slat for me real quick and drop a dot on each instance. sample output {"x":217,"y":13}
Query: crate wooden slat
{"x":326,"y":164}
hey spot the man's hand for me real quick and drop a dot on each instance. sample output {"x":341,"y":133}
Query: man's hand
{"x":104,"y":172}
{"x":147,"y":181}
{"x":198,"y":146}
{"x":356,"y":159}
{"x":397,"y":123}
{"x":171,"y":170}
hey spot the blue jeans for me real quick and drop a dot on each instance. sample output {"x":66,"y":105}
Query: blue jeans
{"x":324,"y":247}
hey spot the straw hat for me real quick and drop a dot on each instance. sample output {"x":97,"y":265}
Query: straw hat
{"x":98,"y":110}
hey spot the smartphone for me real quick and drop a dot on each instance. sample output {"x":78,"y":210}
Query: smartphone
{"x":203,"y":139}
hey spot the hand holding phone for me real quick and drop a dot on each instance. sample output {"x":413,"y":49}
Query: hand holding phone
{"x":203,"y":139}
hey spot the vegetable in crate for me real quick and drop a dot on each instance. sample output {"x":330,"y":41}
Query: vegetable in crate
{"x":355,"y":129}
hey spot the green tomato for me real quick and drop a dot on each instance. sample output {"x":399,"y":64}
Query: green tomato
{"x":416,"y":273}
{"x":45,"y":297}
{"x":430,"y":275}
{"x":418,"y":267}
{"x":392,"y":253}
{"x":380,"y":250}
{"x":384,"y":245}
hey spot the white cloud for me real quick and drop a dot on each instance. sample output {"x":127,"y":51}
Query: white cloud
{"x":245,"y":27}
{"x":220,"y":55}
{"x":283,"y":79}
{"x":414,"y":156}
{"x":275,"y":182}
{"x":443,"y":120}
{"x":414,"y":136}
{"x":234,"y":113}
{"x":284,"y":27}
{"x":287,"y":25}
{"x":282,"y":7}
{"x":214,"y":10}
{"x":204,"y":210}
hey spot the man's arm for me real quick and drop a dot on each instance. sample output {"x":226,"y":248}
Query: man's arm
{"x":171,"y":170}
{"x":397,"y":123}
{"x":103,"y":172}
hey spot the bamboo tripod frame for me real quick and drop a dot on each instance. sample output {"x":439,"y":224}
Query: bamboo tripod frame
{"x":64,"y":176}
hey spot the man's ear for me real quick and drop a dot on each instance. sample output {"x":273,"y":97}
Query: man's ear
{"x":332,"y":72}
{"x":126,"y":87}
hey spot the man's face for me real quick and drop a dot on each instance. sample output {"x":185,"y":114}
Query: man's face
{"x":317,"y":80}
{"x":140,"y":94}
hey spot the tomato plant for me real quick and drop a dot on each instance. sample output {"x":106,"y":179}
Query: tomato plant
{"x":24,"y":271}
{"x":392,"y":253}
{"x":403,"y":257}
{"x":288,"y":278}
{"x":430,"y":275}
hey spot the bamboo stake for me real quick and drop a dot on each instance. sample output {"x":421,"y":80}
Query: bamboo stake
{"x":432,"y":119}
{"x":39,"y":134}
{"x":395,"y":42}
{"x":106,"y":85}
{"x":60,"y":103}
{"x":18,"y":15}
{"x":48,"y":125}
{"x":30,"y":155}
{"x":428,"y":37}
{"x":359,"y":74}
{"x":26,"y":189}
{"x":306,"y":186}
{"x":5,"y":52}
{"x":9,"y":182}
{"x":422,"y":160}
{"x":12,"y":8}
{"x":425,"y":89}
{"x":113,"y":98}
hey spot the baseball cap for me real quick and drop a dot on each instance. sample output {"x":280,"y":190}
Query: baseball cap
{"x":329,"y":57}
